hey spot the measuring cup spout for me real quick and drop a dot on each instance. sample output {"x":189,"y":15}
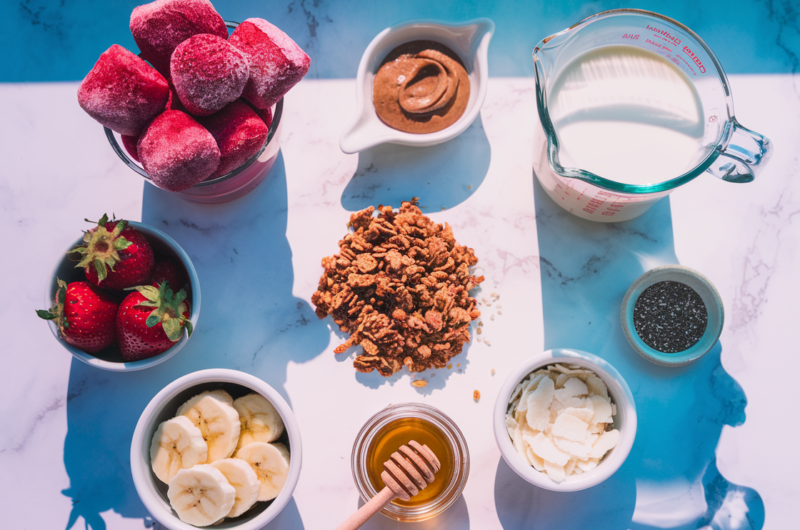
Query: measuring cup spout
{"x":744,"y":156}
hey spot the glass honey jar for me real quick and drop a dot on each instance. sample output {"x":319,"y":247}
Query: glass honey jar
{"x":396,"y":425}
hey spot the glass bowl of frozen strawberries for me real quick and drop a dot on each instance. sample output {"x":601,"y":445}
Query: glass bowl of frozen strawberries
{"x":199,"y":110}
{"x":124,"y":297}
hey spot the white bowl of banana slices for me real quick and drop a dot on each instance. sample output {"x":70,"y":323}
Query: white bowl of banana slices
{"x":216,"y":447}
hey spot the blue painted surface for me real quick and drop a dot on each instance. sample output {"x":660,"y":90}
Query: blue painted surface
{"x":59,"y":40}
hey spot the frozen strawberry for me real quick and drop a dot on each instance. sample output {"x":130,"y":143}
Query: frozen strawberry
{"x":264,"y":114}
{"x":177,"y":152}
{"x":158,"y":27}
{"x":168,"y":271}
{"x":174,"y":102}
{"x":130,"y":145}
{"x":85,"y":315}
{"x":115,"y":255}
{"x":150,"y":320}
{"x":123,"y":92}
{"x":276,"y":62}
{"x":239,"y":133}
{"x":208,"y":73}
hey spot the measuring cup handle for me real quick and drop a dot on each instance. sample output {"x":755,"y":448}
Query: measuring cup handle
{"x":745,"y":155}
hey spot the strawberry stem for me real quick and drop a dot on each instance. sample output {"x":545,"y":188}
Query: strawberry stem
{"x":57,"y":311}
{"x":101,"y":248}
{"x":169,"y":309}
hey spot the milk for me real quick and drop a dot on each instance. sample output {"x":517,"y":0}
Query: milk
{"x":628,"y":115}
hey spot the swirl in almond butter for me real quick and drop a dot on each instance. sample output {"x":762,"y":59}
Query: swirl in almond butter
{"x":422,"y":87}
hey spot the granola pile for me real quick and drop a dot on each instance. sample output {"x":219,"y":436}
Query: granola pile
{"x":400,"y":287}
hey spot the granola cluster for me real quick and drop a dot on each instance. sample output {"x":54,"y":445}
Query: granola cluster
{"x":400,"y":287}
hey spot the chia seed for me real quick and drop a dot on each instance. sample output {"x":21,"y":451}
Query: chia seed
{"x":670,"y":317}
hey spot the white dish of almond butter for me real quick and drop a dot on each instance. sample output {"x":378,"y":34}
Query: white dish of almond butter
{"x":560,"y":420}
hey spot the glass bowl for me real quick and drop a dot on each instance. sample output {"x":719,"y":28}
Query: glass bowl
{"x":458,"y":445}
{"x":230,"y":186}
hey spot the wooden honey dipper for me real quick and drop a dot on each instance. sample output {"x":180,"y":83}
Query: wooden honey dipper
{"x":409,"y":470}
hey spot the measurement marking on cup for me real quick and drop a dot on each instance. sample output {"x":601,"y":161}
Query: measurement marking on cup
{"x":695,"y":59}
{"x":664,"y":34}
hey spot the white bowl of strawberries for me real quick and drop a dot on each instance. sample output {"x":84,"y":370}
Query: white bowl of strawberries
{"x":124,"y":297}
{"x":216,"y":447}
{"x":198,"y":111}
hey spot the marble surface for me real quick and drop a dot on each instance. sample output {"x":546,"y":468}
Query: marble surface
{"x":712,"y":435}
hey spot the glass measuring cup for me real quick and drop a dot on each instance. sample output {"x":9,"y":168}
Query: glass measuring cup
{"x":723,"y":147}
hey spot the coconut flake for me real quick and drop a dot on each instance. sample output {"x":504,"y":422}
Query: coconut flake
{"x":538,"y":414}
{"x":602,"y":409}
{"x":570,"y":427}
{"x":555,"y":472}
{"x":607,"y":441}
{"x":573,"y":387}
{"x":545,"y":448}
{"x":597,"y":386}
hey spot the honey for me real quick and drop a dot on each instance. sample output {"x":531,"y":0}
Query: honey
{"x":399,"y":432}
{"x":397,"y":425}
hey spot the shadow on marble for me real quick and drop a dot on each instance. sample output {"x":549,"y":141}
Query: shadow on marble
{"x":456,"y":517}
{"x":436,"y":378}
{"x":374,"y":379}
{"x":102,"y":411}
{"x":249,"y":321}
{"x":522,"y":505}
{"x":288,"y":519}
{"x":670,"y":476}
{"x":442,"y":176}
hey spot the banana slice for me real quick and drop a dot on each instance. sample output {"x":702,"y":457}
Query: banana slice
{"x":244,"y":480}
{"x":214,"y":415}
{"x":271,"y":464}
{"x":260,"y":422}
{"x":177,"y":444}
{"x":219,"y":394}
{"x":201,"y":496}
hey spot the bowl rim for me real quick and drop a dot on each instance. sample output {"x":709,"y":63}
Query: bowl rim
{"x":651,"y":277}
{"x":130,"y":366}
{"x":485,"y":30}
{"x":623,"y":398}
{"x":140,"y":460}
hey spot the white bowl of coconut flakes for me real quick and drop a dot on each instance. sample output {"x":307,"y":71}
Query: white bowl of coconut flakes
{"x":580,"y":426}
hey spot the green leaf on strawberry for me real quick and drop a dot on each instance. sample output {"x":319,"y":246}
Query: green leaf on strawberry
{"x":47,"y":315}
{"x":169,"y":309}
{"x":57,"y":311}
{"x":102,"y":247}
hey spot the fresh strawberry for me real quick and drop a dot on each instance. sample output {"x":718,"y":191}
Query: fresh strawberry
{"x":115,"y":255}
{"x":150,"y":320}
{"x":168,"y":271}
{"x":85,"y":315}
